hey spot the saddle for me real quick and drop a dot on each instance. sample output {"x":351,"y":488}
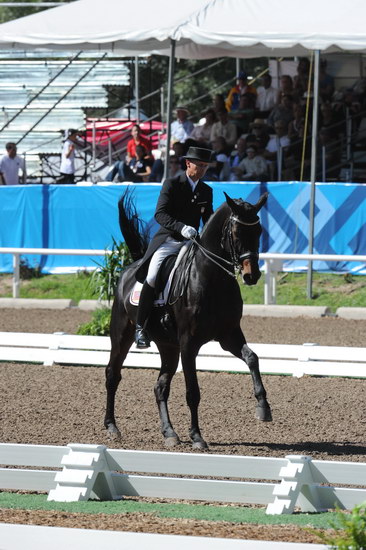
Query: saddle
{"x":169,"y":285}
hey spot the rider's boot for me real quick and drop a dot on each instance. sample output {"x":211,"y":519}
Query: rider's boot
{"x":146,"y":301}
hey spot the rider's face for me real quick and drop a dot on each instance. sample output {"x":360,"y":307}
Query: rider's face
{"x":196,"y":169}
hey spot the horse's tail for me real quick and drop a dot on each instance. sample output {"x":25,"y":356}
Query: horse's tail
{"x":133,"y":229}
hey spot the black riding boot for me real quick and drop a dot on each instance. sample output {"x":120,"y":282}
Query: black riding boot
{"x":146,"y":301}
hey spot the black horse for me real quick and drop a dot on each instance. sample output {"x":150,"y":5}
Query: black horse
{"x":210,"y":308}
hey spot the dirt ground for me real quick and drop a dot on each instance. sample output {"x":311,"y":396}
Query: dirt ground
{"x":321,"y":417}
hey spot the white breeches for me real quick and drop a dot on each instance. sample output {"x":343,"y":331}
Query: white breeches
{"x":170,"y":246}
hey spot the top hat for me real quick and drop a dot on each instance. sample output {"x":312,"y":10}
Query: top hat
{"x":198,"y":153}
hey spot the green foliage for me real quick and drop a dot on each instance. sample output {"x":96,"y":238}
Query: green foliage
{"x":99,"y":325}
{"x":104,"y":279}
{"x":27,"y":271}
{"x":7,"y":13}
{"x":350,"y":530}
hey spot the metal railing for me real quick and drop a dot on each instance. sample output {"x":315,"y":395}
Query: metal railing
{"x":273,"y":263}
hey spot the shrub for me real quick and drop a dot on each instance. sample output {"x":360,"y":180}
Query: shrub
{"x":99,"y":325}
{"x":350,"y":530}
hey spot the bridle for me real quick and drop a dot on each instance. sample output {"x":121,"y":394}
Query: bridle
{"x":235,"y":259}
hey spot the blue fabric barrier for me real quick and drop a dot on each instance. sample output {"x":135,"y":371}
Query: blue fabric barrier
{"x":79,"y":217}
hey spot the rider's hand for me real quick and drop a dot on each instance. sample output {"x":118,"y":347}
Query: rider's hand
{"x":188,"y":232}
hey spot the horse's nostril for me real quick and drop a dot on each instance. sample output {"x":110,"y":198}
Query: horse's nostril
{"x":247,"y":278}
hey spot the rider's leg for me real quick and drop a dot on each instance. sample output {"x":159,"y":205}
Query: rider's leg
{"x":146,"y":301}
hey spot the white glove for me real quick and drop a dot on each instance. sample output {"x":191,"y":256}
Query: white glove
{"x":188,"y":232}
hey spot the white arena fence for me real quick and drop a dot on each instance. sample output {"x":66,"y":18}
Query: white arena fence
{"x":273,"y":263}
{"x":295,"y":360}
{"x":96,"y":472}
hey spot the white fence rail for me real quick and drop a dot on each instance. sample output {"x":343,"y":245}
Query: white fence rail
{"x":94,"y":471}
{"x":295,"y":360}
{"x":272,"y":263}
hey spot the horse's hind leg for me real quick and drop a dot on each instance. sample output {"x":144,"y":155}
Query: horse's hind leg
{"x":236,"y":344}
{"x":122,"y":335}
{"x":169,"y":362}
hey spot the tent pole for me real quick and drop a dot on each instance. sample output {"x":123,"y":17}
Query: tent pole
{"x":137,"y":94}
{"x":169,"y":107}
{"x":313,"y":169}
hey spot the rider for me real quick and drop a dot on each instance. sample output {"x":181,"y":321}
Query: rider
{"x":183,"y":202}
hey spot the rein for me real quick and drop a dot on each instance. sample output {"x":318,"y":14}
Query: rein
{"x":235,"y":260}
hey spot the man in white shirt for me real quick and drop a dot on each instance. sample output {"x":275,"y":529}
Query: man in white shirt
{"x":67,"y":166}
{"x":276,"y":150}
{"x":266,"y":96}
{"x":12,"y":167}
{"x":181,"y":128}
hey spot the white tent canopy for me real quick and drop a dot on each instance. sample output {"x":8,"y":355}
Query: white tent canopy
{"x":201,"y":28}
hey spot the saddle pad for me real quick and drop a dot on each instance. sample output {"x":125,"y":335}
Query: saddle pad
{"x":161,"y":300}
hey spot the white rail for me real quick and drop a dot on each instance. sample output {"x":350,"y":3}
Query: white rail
{"x":273,"y":263}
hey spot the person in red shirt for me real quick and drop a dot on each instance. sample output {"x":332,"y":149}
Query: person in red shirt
{"x":138,"y":139}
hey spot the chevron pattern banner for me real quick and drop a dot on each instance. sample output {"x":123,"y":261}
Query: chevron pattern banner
{"x":86,"y":217}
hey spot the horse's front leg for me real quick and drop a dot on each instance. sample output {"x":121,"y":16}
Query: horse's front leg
{"x":236,"y":344}
{"x":193,"y":395}
{"x":169,"y":362}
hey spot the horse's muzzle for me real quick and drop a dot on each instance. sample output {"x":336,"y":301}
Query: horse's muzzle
{"x":250,"y":271}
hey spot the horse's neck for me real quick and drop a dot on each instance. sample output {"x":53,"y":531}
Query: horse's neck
{"x":212,"y":234}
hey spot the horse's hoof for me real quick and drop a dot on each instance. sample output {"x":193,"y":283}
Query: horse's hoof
{"x":200,"y":445}
{"x":263,"y":414}
{"x":113,"y":432}
{"x":171,"y":441}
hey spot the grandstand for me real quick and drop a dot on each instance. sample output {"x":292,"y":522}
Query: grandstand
{"x":45,"y":93}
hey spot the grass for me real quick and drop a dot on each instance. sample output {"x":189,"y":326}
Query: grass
{"x":198,"y":511}
{"x":332,"y":290}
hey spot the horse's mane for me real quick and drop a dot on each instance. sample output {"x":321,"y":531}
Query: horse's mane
{"x":213,"y":218}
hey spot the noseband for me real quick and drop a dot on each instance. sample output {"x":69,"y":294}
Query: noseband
{"x":236,"y":259}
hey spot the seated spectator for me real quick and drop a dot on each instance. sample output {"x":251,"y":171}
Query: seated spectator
{"x":244,"y":115}
{"x":175,"y":168}
{"x":283,"y":111}
{"x":259,"y":134}
{"x":138,"y":139}
{"x":12,"y":167}
{"x":202,"y":133}
{"x":266,"y":97}
{"x":181,"y":128}
{"x":301,"y":79}
{"x":326,"y":82}
{"x":252,"y":168}
{"x":218,"y":103}
{"x":234,"y":160}
{"x":297,"y":162}
{"x":157,"y":170}
{"x":286,"y":87}
{"x":296,"y":125}
{"x":276,"y":150}
{"x":136,"y":169}
{"x":329,"y":118}
{"x":241,"y":87}
{"x":220,"y":158}
{"x":225,"y":128}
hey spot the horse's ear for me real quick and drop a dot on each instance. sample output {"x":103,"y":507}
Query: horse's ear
{"x":261,"y":202}
{"x":231,"y":203}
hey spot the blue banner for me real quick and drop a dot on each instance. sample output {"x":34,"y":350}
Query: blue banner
{"x":86,"y":217}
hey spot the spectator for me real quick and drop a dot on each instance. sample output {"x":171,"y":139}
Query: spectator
{"x":218,"y":103}
{"x":253,"y":167}
{"x":301,"y":79}
{"x":157,"y":170}
{"x":328,"y":118}
{"x":67,"y":166}
{"x":259,"y":134}
{"x":202,"y":133}
{"x":276,"y":150}
{"x":241,"y":87}
{"x":296,"y":124}
{"x":326,"y":82}
{"x":225,"y":128}
{"x":182,"y":127}
{"x":219,"y":160}
{"x":286,"y":87}
{"x":266,"y":97}
{"x":11,"y":165}
{"x":136,"y":169}
{"x":244,"y":115}
{"x":137,"y":139}
{"x":283,"y":111}
{"x":234,"y":160}
{"x":175,"y":167}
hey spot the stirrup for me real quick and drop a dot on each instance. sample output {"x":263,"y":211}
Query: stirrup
{"x":141,"y":338}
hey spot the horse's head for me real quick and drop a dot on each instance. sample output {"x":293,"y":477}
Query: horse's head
{"x":241,"y":236}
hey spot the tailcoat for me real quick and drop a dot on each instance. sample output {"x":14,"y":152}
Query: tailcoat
{"x":177,"y":206}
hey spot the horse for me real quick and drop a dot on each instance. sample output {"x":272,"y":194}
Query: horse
{"x":209,"y":307}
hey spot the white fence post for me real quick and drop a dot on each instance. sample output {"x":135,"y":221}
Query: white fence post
{"x":16,"y":275}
